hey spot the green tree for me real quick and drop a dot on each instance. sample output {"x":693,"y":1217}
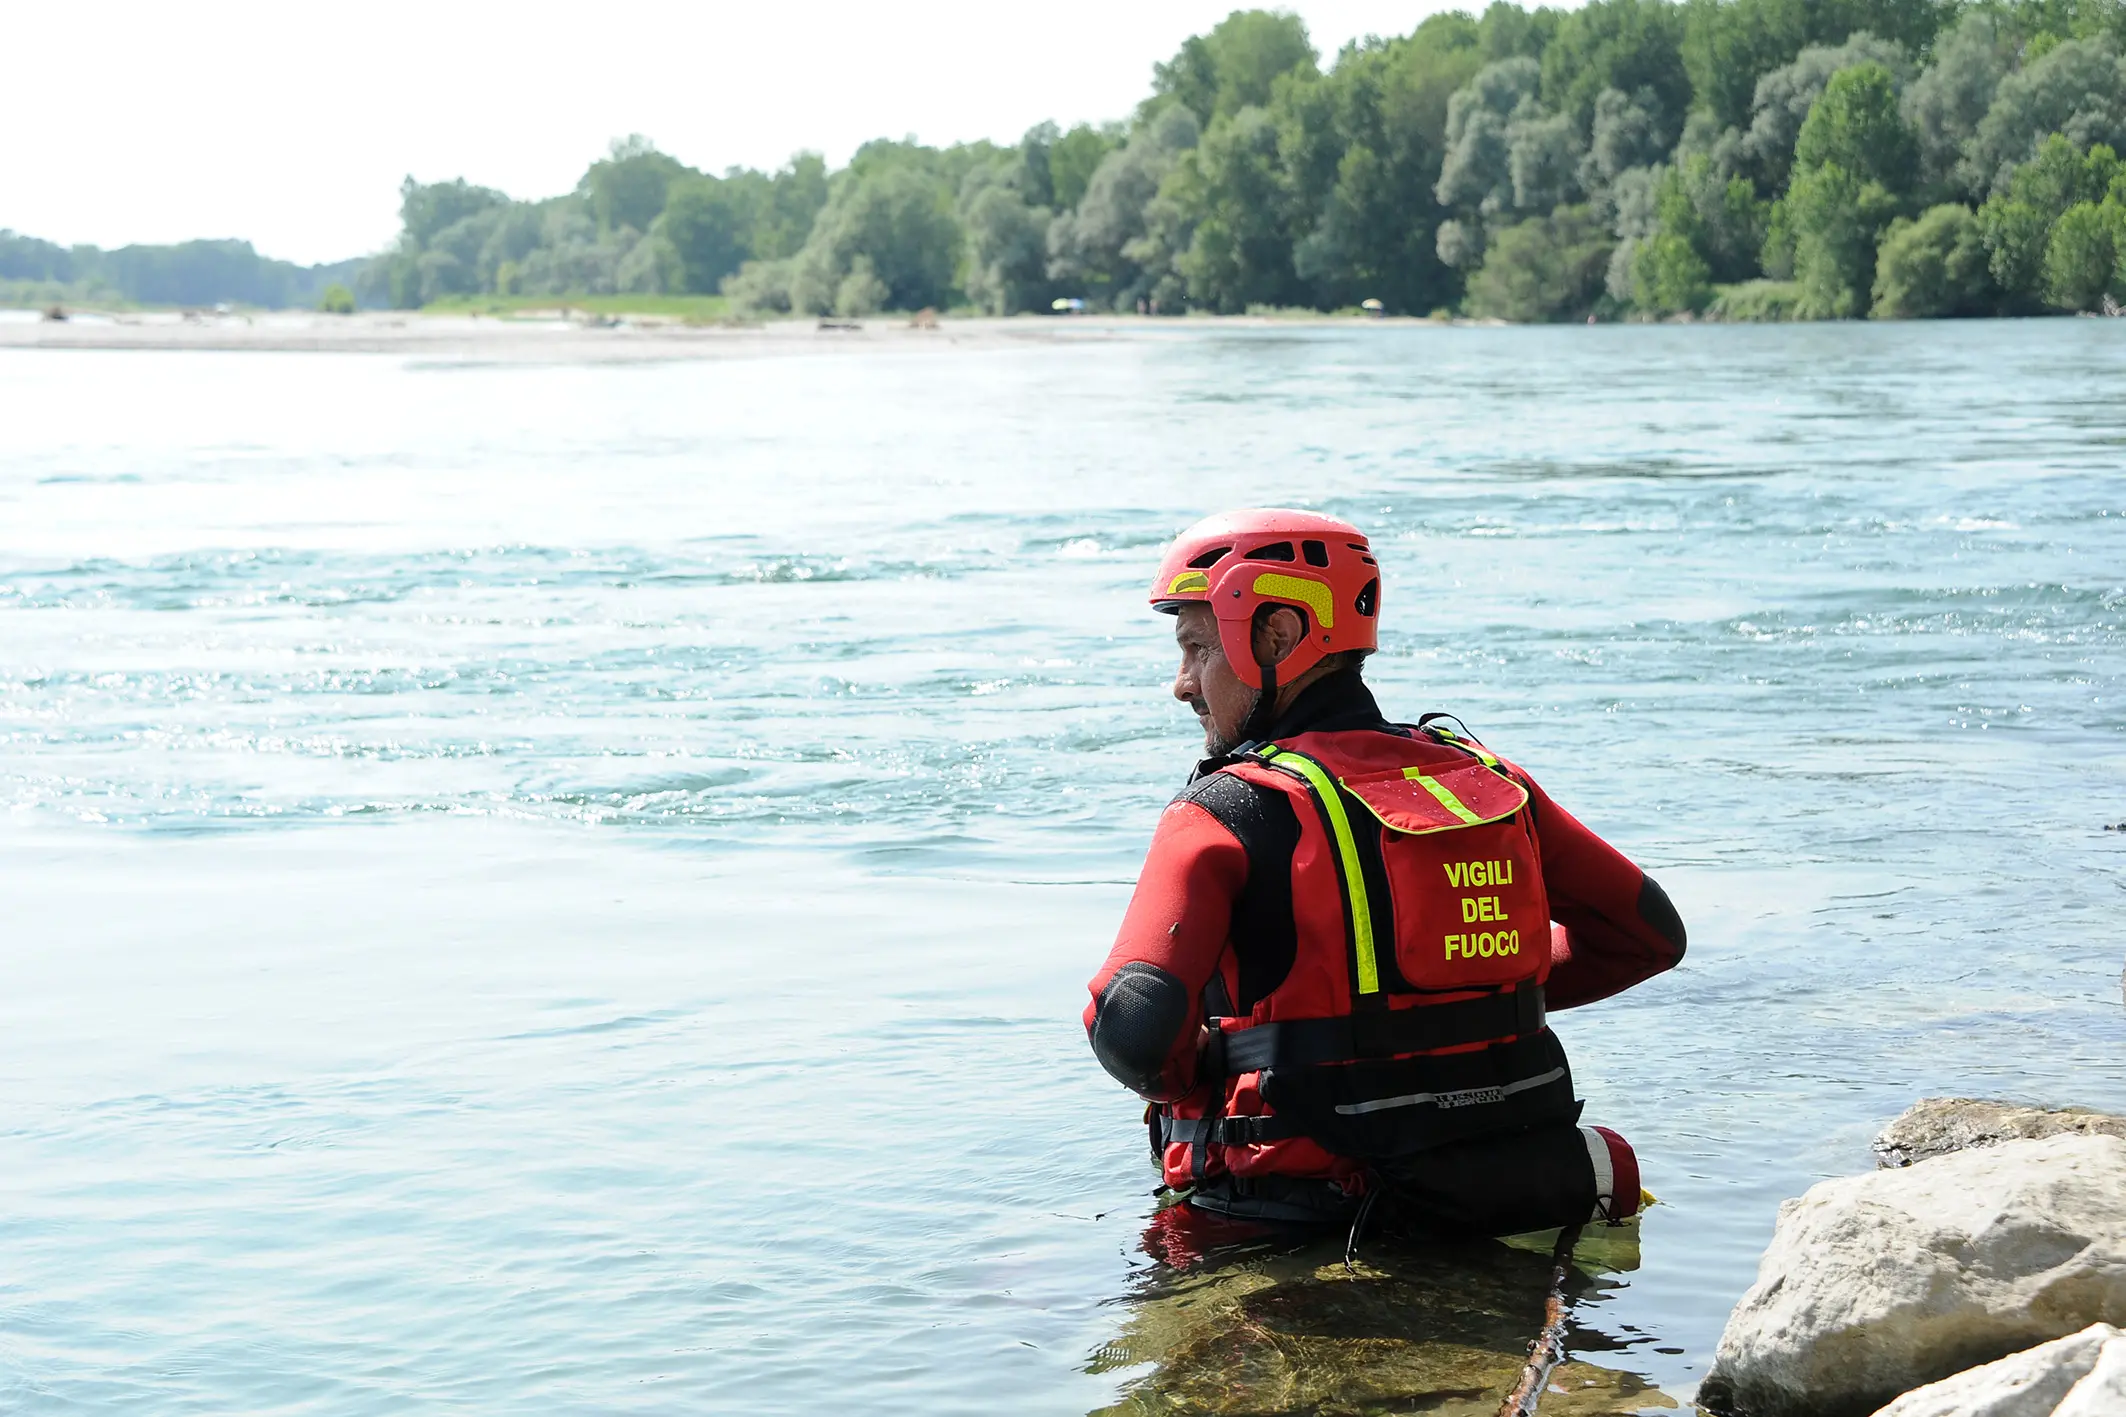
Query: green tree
{"x":1240,"y":252}
{"x":427,"y":209}
{"x":1074,"y":157}
{"x":1856,"y":125}
{"x":1787,"y":95}
{"x":1668,"y":275}
{"x":2017,"y":223}
{"x":1362,"y":150}
{"x":2082,"y":255}
{"x":709,"y":226}
{"x":1834,"y":218}
{"x":2076,"y":89}
{"x":626,"y":187}
{"x":1006,"y":235}
{"x":898,"y":215}
{"x":1705,"y":229}
{"x":1509,"y":32}
{"x":1476,"y":170}
{"x":861,"y":291}
{"x":1933,"y":267}
{"x":1545,"y":268}
{"x":1853,"y":147}
{"x":1629,"y":131}
{"x":791,"y":203}
{"x":1098,"y":250}
{"x":1949,"y":99}
{"x":1731,"y":46}
{"x":337,"y":299}
{"x":2015,"y":236}
{"x":1627,"y":45}
{"x":1236,"y":65}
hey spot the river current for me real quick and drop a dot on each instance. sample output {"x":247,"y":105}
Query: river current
{"x":568,"y":888}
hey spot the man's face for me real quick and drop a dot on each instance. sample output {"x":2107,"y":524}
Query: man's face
{"x":1206,"y":683}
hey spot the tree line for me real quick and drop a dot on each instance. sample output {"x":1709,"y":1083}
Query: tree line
{"x":187,"y":273}
{"x":1627,"y":159}
{"x":1739,"y":159}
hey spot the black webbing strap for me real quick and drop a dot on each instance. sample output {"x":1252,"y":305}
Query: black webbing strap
{"x":1228,"y":1131}
{"x":1384,"y":1033}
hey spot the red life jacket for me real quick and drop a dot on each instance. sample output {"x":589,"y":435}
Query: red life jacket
{"x":1412,"y":1015}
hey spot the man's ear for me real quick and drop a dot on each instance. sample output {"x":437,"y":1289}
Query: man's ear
{"x":1278,"y":634}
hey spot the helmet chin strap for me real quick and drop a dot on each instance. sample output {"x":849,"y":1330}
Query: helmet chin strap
{"x":1262,"y":714}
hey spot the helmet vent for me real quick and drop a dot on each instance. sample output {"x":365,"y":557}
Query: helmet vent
{"x":1209,"y":558}
{"x":1275,"y":551}
{"x":1368,"y":599}
{"x":1317,"y":554}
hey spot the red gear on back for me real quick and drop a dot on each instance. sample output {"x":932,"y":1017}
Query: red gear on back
{"x":1238,"y":561}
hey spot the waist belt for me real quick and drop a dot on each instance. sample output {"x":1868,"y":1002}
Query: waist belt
{"x":1377,"y":1033}
{"x":1226,"y":1131}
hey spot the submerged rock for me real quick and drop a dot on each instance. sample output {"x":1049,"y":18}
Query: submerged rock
{"x":2031,"y":1383}
{"x":1876,"y":1284}
{"x":1936,"y":1126}
{"x":1288,"y":1330}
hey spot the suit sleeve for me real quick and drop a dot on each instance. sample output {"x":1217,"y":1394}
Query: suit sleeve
{"x":1615,"y":925}
{"x":1146,"y":1007}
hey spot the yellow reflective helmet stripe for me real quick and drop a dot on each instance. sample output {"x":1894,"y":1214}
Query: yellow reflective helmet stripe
{"x":1332,"y":810}
{"x":1188,"y":581}
{"x":1441,"y":795}
{"x":1312,"y":594}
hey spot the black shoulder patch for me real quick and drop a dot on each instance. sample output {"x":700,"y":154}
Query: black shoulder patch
{"x":1265,"y":941}
{"x":1231,"y":799}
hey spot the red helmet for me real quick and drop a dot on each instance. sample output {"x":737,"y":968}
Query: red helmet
{"x":1238,"y":561}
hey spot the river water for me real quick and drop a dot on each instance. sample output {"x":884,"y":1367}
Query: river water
{"x":567,"y":888}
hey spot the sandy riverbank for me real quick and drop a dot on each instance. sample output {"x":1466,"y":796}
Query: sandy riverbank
{"x":560,"y":339}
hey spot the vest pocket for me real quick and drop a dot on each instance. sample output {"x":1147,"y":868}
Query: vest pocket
{"x":1380,"y":1110}
{"x":1469,"y":906}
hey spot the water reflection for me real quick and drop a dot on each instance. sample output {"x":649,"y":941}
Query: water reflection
{"x":1242,"y":1318}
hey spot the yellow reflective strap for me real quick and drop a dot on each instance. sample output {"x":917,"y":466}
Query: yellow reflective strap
{"x":1467,"y":745}
{"x":1332,"y":808}
{"x":1441,"y":795}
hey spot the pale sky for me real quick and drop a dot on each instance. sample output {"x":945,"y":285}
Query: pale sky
{"x":290,"y":125}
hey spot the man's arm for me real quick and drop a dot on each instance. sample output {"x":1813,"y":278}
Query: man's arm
{"x":1146,"y":1009}
{"x":1616,"y":926}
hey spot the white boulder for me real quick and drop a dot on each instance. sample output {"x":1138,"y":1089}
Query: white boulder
{"x":2031,"y":1383}
{"x":2103,"y":1392}
{"x":1876,"y":1284}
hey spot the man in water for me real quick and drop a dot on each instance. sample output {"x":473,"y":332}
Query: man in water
{"x":1332,"y":981}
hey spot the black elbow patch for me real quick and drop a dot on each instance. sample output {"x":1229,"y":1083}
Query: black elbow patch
{"x":1135,"y":1022}
{"x":1657,"y":910}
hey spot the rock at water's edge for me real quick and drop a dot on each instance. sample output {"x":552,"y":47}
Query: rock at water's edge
{"x":1876,"y":1284}
{"x":2103,"y":1392}
{"x":2027,"y":1384}
{"x":1936,"y":1126}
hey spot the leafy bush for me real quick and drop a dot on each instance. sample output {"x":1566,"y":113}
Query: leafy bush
{"x":1544,"y":269}
{"x":1756,"y":302}
{"x":2082,"y":258}
{"x":1933,"y":267}
{"x":337,"y":299}
{"x":2018,"y":224}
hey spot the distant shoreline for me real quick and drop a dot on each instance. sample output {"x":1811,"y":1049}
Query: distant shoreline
{"x":576,"y":340}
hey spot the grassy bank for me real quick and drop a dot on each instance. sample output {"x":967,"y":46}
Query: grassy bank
{"x":693,"y":309}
